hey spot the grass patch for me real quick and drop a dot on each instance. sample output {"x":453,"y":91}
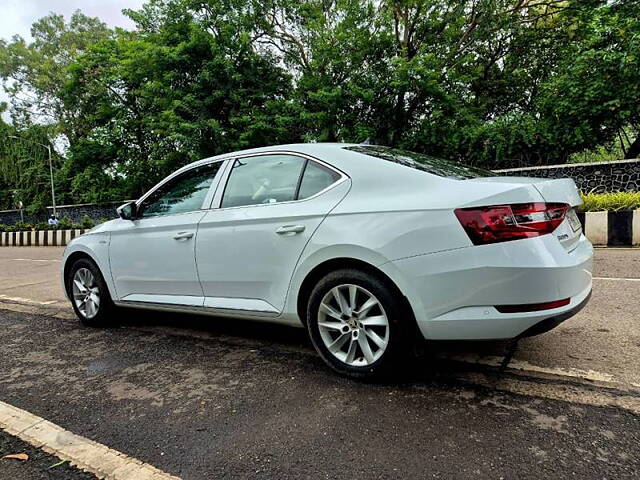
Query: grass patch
{"x":615,"y":201}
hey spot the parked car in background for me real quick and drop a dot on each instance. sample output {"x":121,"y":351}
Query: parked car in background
{"x":368,"y":247}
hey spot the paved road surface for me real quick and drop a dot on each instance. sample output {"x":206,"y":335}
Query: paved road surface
{"x":206,"y":398}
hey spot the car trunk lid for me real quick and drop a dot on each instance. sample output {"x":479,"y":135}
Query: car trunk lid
{"x":561,"y":190}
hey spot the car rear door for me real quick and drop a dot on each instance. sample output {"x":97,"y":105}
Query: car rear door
{"x":250,"y":243}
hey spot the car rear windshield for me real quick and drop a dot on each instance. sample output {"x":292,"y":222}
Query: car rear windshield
{"x":425,"y":163}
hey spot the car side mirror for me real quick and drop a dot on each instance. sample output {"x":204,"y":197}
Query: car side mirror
{"x":127,"y":211}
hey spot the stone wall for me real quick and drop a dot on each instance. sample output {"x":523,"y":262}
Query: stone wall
{"x":72,"y":212}
{"x":598,"y":177}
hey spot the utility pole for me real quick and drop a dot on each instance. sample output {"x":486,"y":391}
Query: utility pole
{"x":53,"y":189}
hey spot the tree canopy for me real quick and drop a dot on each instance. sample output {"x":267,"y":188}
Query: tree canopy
{"x":494,"y":83}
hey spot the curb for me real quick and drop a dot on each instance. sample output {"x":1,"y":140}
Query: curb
{"x":90,"y":456}
{"x":612,"y":229}
{"x":39,"y":238}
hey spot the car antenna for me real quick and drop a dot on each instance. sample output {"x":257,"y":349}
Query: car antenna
{"x":366,"y":142}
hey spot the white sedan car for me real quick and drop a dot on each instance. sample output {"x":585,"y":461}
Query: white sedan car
{"x":369,"y":247}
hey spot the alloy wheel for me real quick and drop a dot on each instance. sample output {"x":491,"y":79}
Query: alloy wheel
{"x":86,"y":293}
{"x":353,"y":325}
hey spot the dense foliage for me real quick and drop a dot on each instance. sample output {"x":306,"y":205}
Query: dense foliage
{"x":495,"y":83}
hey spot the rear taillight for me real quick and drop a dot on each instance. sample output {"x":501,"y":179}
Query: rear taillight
{"x":501,"y":223}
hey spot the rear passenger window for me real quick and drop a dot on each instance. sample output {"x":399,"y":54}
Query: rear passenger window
{"x":263,"y":179}
{"x":315,"y":179}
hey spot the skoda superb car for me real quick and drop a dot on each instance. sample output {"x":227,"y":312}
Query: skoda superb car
{"x":368,"y":247}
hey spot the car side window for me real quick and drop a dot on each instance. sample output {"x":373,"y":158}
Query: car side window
{"x":182,"y":194}
{"x":316,"y":178}
{"x":263,"y":179}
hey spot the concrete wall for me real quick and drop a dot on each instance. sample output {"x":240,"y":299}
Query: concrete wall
{"x":597,"y":177}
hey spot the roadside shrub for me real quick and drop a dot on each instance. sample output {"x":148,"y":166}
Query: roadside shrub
{"x":614,"y":201}
{"x":87,"y":222}
{"x":64,"y":223}
{"x":23,"y":226}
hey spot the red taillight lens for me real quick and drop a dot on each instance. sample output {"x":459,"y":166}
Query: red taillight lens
{"x":501,"y":223}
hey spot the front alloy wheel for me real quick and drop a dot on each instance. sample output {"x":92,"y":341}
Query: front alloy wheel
{"x":86,"y":293}
{"x":89,"y":293}
{"x":353,"y":325}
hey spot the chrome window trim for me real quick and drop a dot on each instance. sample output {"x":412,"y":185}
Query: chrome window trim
{"x":216,"y":204}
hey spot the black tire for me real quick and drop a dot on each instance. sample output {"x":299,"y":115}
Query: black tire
{"x":400,"y":324}
{"x":104,"y":316}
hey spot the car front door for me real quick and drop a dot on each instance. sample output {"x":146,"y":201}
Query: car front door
{"x":270,"y":207}
{"x":152,"y":256}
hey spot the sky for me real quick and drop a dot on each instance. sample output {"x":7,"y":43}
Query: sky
{"x":16,"y":16}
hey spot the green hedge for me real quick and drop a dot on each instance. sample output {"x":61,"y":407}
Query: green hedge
{"x":615,"y":201}
{"x":64,"y":224}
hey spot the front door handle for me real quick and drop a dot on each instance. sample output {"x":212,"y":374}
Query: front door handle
{"x":183,"y":235}
{"x":291,"y":229}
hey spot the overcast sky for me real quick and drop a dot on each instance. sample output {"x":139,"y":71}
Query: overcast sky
{"x":16,"y":16}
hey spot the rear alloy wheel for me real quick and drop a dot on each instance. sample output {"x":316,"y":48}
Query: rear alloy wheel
{"x":89,"y":294}
{"x":353,"y":325}
{"x":357,"y":323}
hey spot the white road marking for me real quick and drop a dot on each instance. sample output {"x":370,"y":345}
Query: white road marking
{"x":88,"y":455}
{"x":523,"y":365}
{"x":26,"y":300}
{"x":35,"y":260}
{"x":566,"y":392}
{"x":618,"y":279}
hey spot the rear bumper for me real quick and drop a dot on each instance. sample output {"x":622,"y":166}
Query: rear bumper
{"x":453,"y":293}
{"x":550,"y":323}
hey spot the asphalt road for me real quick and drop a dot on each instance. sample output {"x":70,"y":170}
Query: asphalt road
{"x":38,"y":465}
{"x":205,"y":398}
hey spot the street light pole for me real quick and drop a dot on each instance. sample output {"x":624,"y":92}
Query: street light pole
{"x":53,"y":190}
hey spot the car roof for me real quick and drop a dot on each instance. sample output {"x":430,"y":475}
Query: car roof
{"x":308,"y":148}
{"x":319,"y":150}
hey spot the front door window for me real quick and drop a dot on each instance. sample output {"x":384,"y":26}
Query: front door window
{"x":182,"y":194}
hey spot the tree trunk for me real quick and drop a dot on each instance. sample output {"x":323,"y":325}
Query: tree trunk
{"x":634,"y":149}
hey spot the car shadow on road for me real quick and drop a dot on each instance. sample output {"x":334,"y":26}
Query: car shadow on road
{"x":433,"y":360}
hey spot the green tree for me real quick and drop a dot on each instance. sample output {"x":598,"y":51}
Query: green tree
{"x":24,"y":167}
{"x":497,"y":83}
{"x":34,"y":73}
{"x":179,"y":89}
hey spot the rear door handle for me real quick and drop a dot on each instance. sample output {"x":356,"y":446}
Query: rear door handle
{"x":183,"y":235}
{"x":290,"y":229}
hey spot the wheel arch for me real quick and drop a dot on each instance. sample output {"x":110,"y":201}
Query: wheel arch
{"x":69,"y":261}
{"x":330,"y":265}
{"x":92,"y":249}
